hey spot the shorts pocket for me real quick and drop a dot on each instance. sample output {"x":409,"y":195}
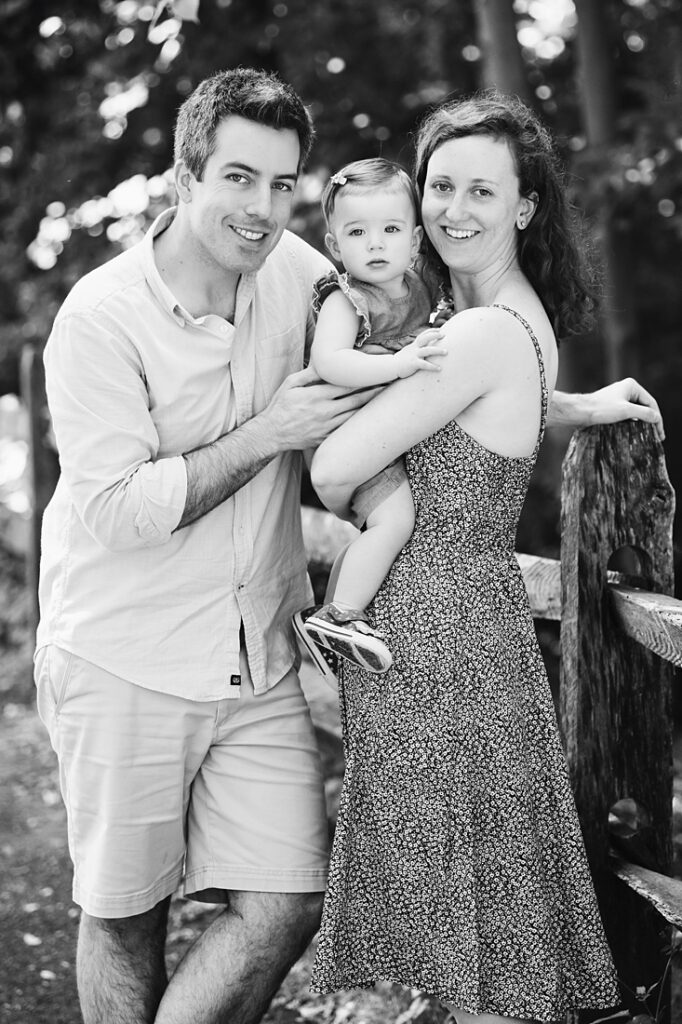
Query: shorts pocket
{"x":53,"y":671}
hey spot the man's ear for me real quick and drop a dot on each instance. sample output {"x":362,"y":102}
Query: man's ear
{"x":183,"y":179}
{"x":332,"y":246}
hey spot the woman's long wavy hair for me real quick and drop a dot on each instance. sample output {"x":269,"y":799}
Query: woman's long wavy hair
{"x":552,"y":252}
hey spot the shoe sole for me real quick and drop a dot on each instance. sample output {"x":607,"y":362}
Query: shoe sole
{"x":314,"y":652}
{"x":367,"y":652}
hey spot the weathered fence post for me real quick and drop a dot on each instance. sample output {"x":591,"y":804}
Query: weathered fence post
{"x":615,"y":695}
{"x":43,"y":462}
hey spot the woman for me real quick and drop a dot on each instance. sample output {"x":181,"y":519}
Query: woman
{"x":458,"y":865}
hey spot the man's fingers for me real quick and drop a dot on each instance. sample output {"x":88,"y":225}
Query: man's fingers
{"x":302,"y":378}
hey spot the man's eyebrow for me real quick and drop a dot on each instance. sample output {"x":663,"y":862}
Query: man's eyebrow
{"x":236,"y":166}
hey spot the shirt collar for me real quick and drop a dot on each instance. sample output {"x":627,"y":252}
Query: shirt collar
{"x":245,"y":288}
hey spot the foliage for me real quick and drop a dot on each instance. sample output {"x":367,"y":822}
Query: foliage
{"x":89,"y":90}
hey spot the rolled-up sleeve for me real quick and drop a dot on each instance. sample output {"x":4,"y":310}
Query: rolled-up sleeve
{"x":125,"y":494}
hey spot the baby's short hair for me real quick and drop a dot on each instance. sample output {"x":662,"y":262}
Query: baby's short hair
{"x":368,"y":176}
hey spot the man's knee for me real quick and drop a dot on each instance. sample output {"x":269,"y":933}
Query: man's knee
{"x":130,"y":934}
{"x":295,"y":912}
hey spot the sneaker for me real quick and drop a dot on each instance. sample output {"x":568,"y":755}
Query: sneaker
{"x":336,"y":630}
{"x":323,"y":658}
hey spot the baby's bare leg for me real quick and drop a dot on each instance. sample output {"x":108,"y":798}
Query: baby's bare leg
{"x":368,"y":559}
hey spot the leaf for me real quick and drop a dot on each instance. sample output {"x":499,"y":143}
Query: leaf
{"x":186,"y":10}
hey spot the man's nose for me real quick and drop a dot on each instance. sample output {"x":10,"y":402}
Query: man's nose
{"x":259,"y":203}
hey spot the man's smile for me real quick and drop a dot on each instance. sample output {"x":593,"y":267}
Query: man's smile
{"x":250,"y":236}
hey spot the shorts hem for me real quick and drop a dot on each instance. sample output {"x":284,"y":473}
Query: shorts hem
{"x":129,"y":905}
{"x":239,"y":878}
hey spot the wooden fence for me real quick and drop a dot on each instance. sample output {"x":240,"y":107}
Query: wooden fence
{"x":621,"y":635}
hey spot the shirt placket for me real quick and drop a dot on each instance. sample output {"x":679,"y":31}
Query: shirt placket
{"x":243,"y":384}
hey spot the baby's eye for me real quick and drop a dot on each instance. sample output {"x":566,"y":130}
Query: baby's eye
{"x":391,"y":228}
{"x":355,"y":232}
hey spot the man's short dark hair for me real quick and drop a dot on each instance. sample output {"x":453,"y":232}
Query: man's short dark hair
{"x":244,"y":92}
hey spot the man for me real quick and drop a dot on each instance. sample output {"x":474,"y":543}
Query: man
{"x":172,"y":563}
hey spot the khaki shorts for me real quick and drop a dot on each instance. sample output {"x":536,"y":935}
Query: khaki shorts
{"x":227,"y":794}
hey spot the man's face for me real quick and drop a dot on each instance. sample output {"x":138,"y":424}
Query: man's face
{"x":240,"y":208}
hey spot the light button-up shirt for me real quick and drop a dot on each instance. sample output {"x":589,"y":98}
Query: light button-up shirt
{"x":134,"y":381}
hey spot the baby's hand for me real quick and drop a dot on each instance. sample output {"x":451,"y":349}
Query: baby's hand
{"x":417,"y":354}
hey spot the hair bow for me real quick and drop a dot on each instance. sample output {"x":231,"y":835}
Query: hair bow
{"x":338,"y":179}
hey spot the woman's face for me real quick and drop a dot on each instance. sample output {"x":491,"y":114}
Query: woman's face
{"x":471,"y":203}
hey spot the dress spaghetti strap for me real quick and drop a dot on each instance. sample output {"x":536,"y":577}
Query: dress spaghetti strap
{"x":541,"y":364}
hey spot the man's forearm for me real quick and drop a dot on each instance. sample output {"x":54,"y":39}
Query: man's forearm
{"x":215,"y":471}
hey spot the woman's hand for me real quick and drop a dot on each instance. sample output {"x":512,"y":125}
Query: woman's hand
{"x":623,"y":400}
{"x":626,"y":400}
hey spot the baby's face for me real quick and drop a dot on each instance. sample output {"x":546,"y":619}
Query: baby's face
{"x":374,"y":234}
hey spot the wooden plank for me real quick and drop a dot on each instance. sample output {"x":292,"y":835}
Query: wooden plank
{"x":653,"y":620}
{"x":542,"y":577}
{"x":615,"y":701}
{"x":661,"y":891}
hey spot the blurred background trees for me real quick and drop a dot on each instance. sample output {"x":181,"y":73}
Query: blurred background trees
{"x":89,"y":90}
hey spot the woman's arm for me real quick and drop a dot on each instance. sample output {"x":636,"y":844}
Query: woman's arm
{"x":335,"y":358}
{"x":623,"y":400}
{"x":407,"y":411}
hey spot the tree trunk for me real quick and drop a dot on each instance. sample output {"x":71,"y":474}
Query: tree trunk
{"x":502,"y":66}
{"x":597,"y":87}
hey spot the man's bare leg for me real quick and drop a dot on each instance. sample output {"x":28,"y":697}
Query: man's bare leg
{"x":121,"y":968}
{"x":233,"y":970}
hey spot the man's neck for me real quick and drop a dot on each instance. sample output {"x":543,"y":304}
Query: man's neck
{"x":199,"y":287}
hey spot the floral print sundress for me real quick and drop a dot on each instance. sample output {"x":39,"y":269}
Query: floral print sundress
{"x":458,"y":866}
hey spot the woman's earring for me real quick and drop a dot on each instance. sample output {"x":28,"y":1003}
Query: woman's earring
{"x":521,"y":222}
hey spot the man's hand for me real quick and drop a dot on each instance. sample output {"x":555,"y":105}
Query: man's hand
{"x":304,"y":410}
{"x":625,"y":400}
